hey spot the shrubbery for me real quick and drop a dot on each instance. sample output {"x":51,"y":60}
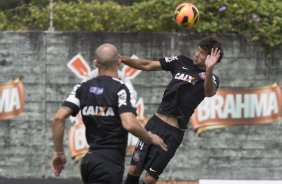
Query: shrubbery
{"x":257,"y":20}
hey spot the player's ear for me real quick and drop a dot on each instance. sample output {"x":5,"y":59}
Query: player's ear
{"x":95,"y":62}
{"x":119,"y":60}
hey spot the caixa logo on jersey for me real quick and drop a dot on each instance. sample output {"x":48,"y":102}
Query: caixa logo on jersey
{"x":97,"y":111}
{"x":77,"y":141}
{"x":11,"y":99}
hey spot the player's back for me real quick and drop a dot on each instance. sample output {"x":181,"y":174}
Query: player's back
{"x":100,"y":99}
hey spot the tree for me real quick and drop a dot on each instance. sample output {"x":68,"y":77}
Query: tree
{"x":257,"y":20}
{"x":9,"y":4}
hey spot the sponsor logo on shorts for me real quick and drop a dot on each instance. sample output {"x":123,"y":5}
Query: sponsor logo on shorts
{"x":152,"y":170}
{"x":202,"y":75}
{"x":136,"y":156}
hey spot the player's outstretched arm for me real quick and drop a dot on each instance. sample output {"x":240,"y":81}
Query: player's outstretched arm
{"x":141,"y":64}
{"x":130,"y":123}
{"x":58,"y":127}
{"x":211,"y":61}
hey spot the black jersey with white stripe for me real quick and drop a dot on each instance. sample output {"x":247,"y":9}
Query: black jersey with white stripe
{"x":73,"y":102}
{"x":186,"y":89}
{"x":100,"y":101}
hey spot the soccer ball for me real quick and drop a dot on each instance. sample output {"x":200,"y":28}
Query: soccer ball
{"x":186,"y":15}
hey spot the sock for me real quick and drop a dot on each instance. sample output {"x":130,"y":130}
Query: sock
{"x":131,"y":179}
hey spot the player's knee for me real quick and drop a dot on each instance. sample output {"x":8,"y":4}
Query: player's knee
{"x":148,"y":179}
{"x":134,"y":171}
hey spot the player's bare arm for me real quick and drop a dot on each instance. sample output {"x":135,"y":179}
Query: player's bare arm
{"x":130,"y":123}
{"x":142,"y":64}
{"x":210,"y":62}
{"x":58,"y":126}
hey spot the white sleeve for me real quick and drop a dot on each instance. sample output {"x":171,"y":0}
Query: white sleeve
{"x":129,"y":85}
{"x":72,"y":98}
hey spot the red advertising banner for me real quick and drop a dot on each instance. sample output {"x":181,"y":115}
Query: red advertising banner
{"x":130,"y":72}
{"x":77,"y":141}
{"x":11,"y":99}
{"x":79,"y":66}
{"x":230,"y":107}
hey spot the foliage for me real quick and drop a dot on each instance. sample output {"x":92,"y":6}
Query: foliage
{"x":8,"y":4}
{"x":3,"y":20}
{"x":257,"y":20}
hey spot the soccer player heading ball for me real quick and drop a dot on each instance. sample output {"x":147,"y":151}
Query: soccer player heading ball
{"x":192,"y":80}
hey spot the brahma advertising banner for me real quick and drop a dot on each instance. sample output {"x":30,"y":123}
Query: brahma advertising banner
{"x":11,"y":99}
{"x":230,"y":107}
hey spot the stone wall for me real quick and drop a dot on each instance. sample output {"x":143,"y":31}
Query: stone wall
{"x":40,"y":58}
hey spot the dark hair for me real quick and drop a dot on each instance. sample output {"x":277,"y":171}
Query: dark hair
{"x":210,"y":42}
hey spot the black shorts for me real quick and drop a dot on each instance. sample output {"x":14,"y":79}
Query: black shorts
{"x":150,"y":157}
{"x":102,"y":166}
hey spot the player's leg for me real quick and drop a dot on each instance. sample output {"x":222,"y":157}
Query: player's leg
{"x":133,"y":175}
{"x":138,"y":160}
{"x":148,"y":179}
{"x":158,"y":159}
{"x":102,"y":166}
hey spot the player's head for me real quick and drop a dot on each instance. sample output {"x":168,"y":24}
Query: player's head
{"x":107,"y":56}
{"x":208,"y":43}
{"x":204,"y":49}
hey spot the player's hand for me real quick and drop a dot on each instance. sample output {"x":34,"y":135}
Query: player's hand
{"x":58,"y":163}
{"x":158,"y":141}
{"x":212,"y":59}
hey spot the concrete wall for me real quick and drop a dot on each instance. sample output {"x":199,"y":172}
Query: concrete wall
{"x":243,"y":152}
